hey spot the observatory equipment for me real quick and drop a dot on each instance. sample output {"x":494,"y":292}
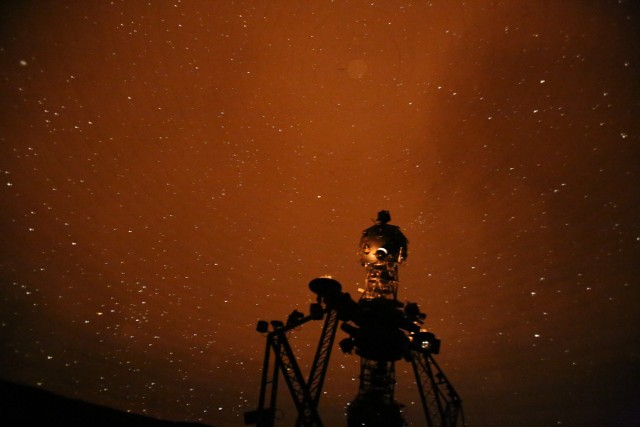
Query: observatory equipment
{"x":382,"y":248}
{"x":381,"y":330}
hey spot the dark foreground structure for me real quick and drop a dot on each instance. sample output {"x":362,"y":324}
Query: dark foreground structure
{"x":381,"y":330}
{"x":21,"y":405}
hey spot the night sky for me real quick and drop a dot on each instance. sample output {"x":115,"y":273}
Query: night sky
{"x":172,"y":172}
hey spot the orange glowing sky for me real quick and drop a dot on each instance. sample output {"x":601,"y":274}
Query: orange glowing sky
{"x":174,"y":171}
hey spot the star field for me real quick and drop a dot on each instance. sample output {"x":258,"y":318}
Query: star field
{"x":171,"y":172}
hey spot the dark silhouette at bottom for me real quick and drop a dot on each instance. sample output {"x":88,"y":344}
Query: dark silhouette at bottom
{"x":381,"y":330}
{"x":21,"y":405}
